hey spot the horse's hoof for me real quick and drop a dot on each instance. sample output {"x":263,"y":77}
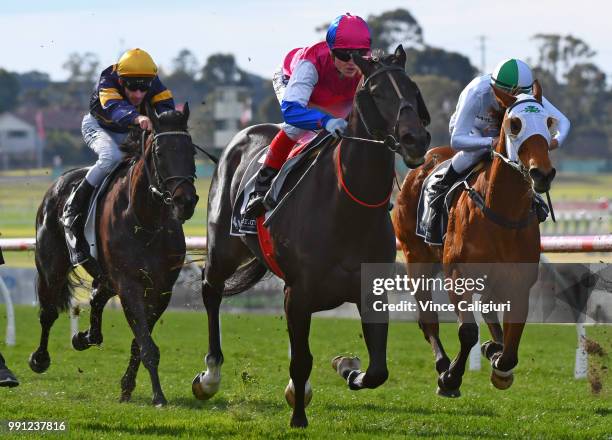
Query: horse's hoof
{"x":502,"y":382}
{"x":290,"y":394}
{"x":125,"y":397}
{"x":448,"y":393}
{"x":299,"y":422}
{"x":7,"y":378}
{"x":80,"y":341}
{"x":39,"y":363}
{"x":343,"y":365}
{"x":489,"y":348}
{"x":203,"y":387}
{"x":159,"y":402}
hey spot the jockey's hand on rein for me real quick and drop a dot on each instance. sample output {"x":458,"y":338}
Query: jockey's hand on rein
{"x":144,"y":122}
{"x":336,"y":125}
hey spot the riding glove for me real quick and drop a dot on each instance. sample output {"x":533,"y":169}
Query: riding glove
{"x":334,"y":125}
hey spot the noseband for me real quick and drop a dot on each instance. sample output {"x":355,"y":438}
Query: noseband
{"x":159,"y":187}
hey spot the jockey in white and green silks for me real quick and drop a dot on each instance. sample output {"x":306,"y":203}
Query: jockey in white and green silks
{"x":473,"y":127}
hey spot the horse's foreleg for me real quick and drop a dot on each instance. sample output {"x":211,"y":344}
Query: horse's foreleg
{"x":503,"y":362}
{"x":449,"y":381}
{"x":375,"y":335}
{"x":206,"y":384}
{"x":93,"y":336}
{"x":298,"y":324}
{"x":134,"y":309}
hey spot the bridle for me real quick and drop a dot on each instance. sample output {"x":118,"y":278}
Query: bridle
{"x":375,"y":129}
{"x":158,"y":187}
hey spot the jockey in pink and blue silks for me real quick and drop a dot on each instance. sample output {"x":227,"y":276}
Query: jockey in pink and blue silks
{"x":315,"y":86}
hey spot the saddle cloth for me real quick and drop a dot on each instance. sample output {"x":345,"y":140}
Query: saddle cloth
{"x":90,"y":222}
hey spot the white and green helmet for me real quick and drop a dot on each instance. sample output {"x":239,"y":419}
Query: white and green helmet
{"x":513,"y":76}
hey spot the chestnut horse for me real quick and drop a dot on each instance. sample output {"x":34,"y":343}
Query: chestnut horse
{"x":336,"y":219}
{"x":141,"y":246}
{"x":504,"y":230}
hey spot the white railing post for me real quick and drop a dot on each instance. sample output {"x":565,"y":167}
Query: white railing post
{"x":582,"y":360}
{"x":10,"y":314}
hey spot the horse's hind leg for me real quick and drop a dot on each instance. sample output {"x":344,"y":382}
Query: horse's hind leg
{"x":93,"y":336}
{"x":223,"y":260}
{"x":53,"y":296}
{"x":128,"y":381}
{"x":429,"y":325}
{"x":489,"y":348}
{"x":298,"y":324}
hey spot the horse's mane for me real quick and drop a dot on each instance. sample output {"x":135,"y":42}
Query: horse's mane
{"x":168,"y":121}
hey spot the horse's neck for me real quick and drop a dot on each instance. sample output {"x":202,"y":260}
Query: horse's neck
{"x":149,"y":213}
{"x":367,"y":168}
{"x":508,"y":193}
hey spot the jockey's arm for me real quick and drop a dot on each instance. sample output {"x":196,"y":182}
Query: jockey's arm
{"x":120,"y":110}
{"x":462,"y":125}
{"x":563,"y":125}
{"x":161,"y":98}
{"x":297,"y":95}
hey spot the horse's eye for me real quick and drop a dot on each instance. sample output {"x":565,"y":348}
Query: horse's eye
{"x":515,"y":126}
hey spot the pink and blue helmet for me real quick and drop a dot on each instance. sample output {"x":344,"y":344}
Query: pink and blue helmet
{"x":348,"y":32}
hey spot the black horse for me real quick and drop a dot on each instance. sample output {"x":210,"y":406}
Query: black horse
{"x":141,"y":246}
{"x":335,"y":220}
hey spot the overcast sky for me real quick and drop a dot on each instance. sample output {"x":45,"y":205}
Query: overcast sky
{"x":39,"y":35}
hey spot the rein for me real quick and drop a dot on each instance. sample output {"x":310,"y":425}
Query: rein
{"x":390,"y":140}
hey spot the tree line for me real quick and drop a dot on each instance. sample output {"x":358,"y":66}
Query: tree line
{"x":564,"y":67}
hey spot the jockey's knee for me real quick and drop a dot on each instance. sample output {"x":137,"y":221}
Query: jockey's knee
{"x":293,"y":132}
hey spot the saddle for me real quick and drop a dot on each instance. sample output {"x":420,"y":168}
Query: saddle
{"x":300,"y":155}
{"x":434,"y":233}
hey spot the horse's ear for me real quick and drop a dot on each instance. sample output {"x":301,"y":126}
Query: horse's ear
{"x":504,"y":99}
{"x":400,"y":56}
{"x":364,"y":64}
{"x":152,"y":114}
{"x":537,"y":91}
{"x":422,"y":108}
{"x":186,"y":112}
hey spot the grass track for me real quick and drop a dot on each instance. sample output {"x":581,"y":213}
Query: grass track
{"x":82,"y":388}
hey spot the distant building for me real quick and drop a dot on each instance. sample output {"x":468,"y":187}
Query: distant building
{"x":19,"y":142}
{"x":231,"y":113}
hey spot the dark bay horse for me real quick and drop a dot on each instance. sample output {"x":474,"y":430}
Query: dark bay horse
{"x":141,"y":246}
{"x":505,"y":231}
{"x":322,"y":234}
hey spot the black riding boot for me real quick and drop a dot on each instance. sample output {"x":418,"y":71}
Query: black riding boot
{"x":255,"y":207}
{"x":73,"y":219}
{"x":7,"y":378}
{"x":436,"y":201}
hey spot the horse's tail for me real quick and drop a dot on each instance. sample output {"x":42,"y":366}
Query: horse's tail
{"x":65,"y":293}
{"x":245,"y":277}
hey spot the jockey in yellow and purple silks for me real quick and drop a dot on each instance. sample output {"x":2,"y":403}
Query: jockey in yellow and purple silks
{"x":117,"y":102}
{"x":315,"y":86}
